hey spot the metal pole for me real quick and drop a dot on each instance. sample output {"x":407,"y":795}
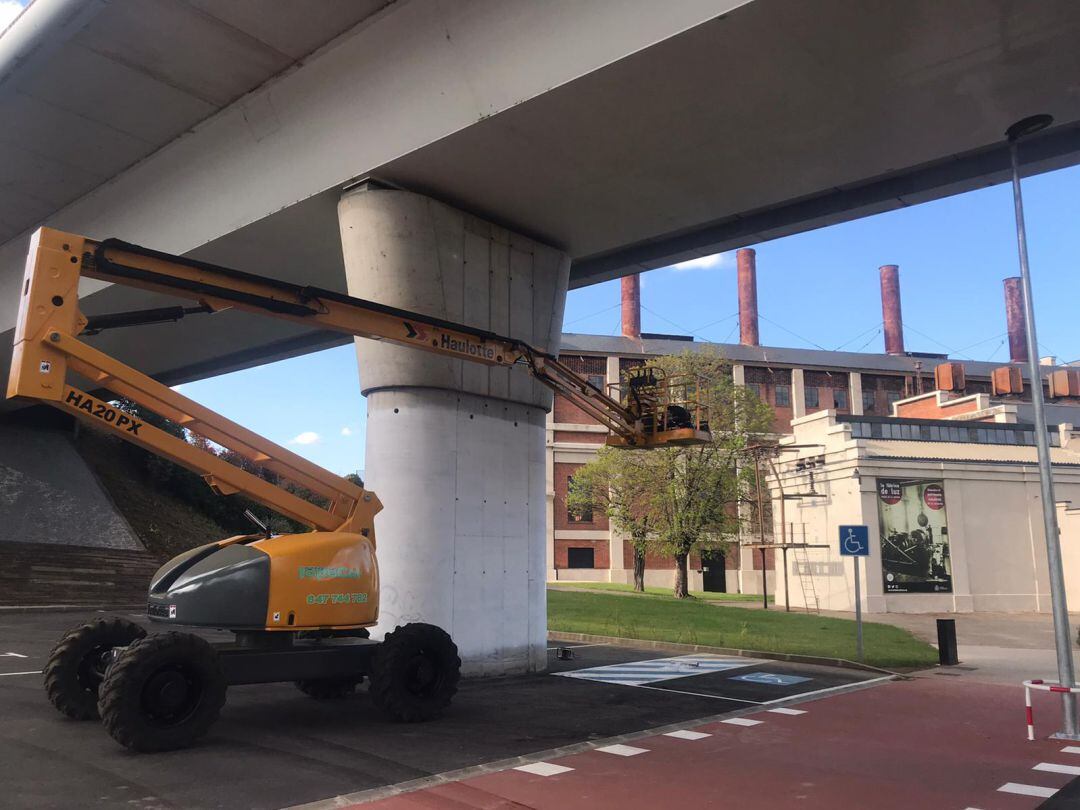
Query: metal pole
{"x":764,"y":583}
{"x":1062,"y":635}
{"x":859,"y":615}
{"x":787,"y":599}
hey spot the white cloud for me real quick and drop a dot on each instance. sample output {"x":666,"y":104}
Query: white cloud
{"x":716,"y":260}
{"x":307,"y":437}
{"x":345,"y":431}
{"x":9,"y":10}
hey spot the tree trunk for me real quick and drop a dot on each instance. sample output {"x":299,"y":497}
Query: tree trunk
{"x":681,"y":576}
{"x":639,"y":570}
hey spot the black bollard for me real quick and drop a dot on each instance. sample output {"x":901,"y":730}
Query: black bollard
{"x":946,"y":641}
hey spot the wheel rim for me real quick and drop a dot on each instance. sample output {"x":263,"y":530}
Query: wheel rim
{"x":92,"y":667}
{"x":171,"y":695}
{"x":423,"y":675}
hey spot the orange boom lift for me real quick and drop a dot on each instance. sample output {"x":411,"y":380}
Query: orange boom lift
{"x":299,"y":604}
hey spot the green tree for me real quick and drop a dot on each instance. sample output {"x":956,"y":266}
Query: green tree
{"x":697,"y":489}
{"x":676,"y":499}
{"x":620,"y":483}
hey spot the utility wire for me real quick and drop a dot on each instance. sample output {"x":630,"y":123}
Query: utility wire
{"x":794,"y":334}
{"x":677,"y":326}
{"x":981,"y":342}
{"x":872,"y":337}
{"x":847,"y":342}
{"x":934,"y":340}
{"x":586,"y":317}
{"x":714,"y":323}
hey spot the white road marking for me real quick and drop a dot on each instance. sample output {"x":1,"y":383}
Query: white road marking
{"x":637,"y":673}
{"x":12,"y":655}
{"x":697,"y":694}
{"x":1053,"y":767}
{"x":1071,"y":749}
{"x":622,"y":750}
{"x":783,"y":710}
{"x":543,"y":768}
{"x":34,"y":672}
{"x":741,"y":721}
{"x":687,"y":735}
{"x":1027,"y":790}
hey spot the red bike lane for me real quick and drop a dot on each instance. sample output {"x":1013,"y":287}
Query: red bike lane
{"x":929,"y":742}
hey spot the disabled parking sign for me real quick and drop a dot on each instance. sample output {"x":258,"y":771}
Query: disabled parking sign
{"x":855,"y":541}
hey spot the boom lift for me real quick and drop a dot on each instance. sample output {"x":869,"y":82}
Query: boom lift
{"x":299,"y":604}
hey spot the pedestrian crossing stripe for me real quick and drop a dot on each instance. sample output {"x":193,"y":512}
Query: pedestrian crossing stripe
{"x":638,"y":673}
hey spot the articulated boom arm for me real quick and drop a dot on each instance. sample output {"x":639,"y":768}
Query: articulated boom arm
{"x":47,"y":345}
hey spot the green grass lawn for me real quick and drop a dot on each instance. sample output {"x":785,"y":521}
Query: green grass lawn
{"x":692,"y":622}
{"x":620,"y":587}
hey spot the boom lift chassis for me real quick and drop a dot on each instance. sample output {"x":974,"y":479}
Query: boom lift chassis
{"x":299,"y":604}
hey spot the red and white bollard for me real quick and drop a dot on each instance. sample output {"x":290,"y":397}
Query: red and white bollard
{"x":1044,"y":686}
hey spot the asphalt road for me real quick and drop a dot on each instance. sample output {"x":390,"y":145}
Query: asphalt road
{"x":274,"y":747}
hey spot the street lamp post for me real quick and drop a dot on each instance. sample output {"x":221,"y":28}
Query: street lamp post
{"x":1062,"y":635}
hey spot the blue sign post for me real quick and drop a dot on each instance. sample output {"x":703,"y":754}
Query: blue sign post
{"x":855,"y":542}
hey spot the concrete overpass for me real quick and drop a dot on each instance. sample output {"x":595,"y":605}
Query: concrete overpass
{"x":607,"y":137}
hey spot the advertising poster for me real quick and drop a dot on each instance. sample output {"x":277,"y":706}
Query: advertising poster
{"x":914,"y":536}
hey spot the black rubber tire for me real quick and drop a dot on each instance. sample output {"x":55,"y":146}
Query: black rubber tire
{"x":141,"y":687}
{"x":77,"y":664}
{"x":329,"y":688}
{"x":415,"y":673}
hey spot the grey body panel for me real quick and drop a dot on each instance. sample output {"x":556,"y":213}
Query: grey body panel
{"x":225,"y":587}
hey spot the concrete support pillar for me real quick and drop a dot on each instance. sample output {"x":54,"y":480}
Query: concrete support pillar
{"x":798,"y":393}
{"x":855,"y":391}
{"x":455,"y":450}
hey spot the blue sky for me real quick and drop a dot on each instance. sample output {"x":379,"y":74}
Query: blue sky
{"x":814,"y":289}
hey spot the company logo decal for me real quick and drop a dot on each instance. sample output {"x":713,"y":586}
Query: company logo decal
{"x":321,"y":572}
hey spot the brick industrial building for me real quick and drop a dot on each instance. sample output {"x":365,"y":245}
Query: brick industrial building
{"x":795,"y":383}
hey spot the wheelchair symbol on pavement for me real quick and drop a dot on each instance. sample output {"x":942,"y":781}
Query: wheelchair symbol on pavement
{"x":855,"y":541}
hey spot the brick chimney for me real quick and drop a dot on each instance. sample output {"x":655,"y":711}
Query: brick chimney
{"x":890,"y":309}
{"x":631,"y":306}
{"x":746,"y":258}
{"x":1014,"y":318}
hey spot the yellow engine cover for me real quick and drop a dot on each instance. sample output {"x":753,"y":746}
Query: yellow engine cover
{"x":321,"y":580}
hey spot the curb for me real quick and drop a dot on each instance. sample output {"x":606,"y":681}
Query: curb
{"x":670,"y":646}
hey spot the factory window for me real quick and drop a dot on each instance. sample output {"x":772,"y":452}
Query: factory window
{"x":577,"y":557}
{"x":890,"y":398}
{"x":597,"y":381}
{"x":839,"y":396}
{"x":869,"y":401}
{"x":812,"y":397}
{"x":783,"y":396}
{"x":754,"y":389}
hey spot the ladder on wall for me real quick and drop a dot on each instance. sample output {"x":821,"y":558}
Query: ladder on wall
{"x":806,"y":580}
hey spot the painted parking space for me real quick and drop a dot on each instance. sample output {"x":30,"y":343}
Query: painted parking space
{"x":636,"y":673}
{"x":735,"y":679}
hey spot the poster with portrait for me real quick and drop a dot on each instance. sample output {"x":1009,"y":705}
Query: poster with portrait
{"x":914,"y":536}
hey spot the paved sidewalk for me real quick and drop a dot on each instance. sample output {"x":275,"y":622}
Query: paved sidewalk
{"x":922,"y":743}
